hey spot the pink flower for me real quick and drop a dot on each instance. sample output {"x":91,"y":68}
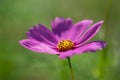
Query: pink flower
{"x":66,"y":39}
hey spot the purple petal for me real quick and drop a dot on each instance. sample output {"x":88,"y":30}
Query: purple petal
{"x":90,"y":33}
{"x":78,"y":29}
{"x":42,"y":34}
{"x":37,"y":47}
{"x":66,"y":54}
{"x":60,"y":25}
{"x":91,"y":47}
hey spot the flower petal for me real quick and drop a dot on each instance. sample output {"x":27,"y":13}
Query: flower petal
{"x":42,"y":34}
{"x":60,"y":25}
{"x":78,"y":28}
{"x":90,"y":33}
{"x":66,"y":54}
{"x":91,"y":47}
{"x":37,"y":47}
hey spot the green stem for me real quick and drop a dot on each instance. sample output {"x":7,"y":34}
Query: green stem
{"x":71,"y":70}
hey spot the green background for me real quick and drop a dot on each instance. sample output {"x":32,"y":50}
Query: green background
{"x":18,"y":63}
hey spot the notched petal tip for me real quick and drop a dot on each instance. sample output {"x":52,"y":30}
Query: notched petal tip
{"x":90,"y":33}
{"x":99,"y":23}
{"x":60,"y":26}
{"x":37,"y":46}
{"x":102,"y":21}
{"x":22,"y":41}
{"x":104,"y":44}
{"x":42,"y":33}
{"x":58,"y":19}
{"x":91,"y":47}
{"x":25,"y":43}
{"x":101,"y":44}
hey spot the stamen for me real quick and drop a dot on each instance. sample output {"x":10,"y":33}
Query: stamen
{"x":65,"y":45}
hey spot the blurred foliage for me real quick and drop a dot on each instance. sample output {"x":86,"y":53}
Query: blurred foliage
{"x":18,"y":63}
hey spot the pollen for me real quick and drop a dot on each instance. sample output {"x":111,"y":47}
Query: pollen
{"x":65,"y":45}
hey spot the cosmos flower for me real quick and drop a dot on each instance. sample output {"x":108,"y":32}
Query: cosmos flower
{"x":65,"y":39}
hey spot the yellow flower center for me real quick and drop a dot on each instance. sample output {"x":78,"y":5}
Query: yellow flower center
{"x":65,"y":45}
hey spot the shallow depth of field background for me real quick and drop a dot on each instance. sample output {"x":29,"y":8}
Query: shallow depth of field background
{"x":18,"y":63}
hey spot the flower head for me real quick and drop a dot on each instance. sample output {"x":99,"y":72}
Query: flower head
{"x":66,"y":39}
